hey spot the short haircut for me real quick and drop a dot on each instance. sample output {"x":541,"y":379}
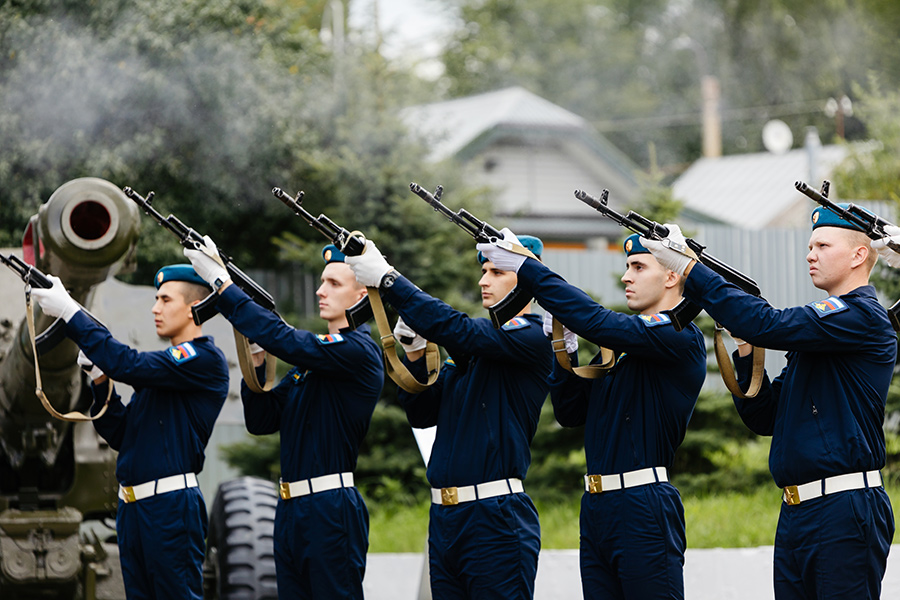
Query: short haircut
{"x":858,"y":238}
{"x":192,"y":292}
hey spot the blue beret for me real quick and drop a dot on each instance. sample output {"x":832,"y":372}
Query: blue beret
{"x":633,"y":245}
{"x":331,"y":254}
{"x":822,"y":217}
{"x":181,"y":272}
{"x":534,"y":244}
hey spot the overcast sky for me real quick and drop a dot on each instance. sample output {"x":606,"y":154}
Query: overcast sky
{"x":411,"y":29}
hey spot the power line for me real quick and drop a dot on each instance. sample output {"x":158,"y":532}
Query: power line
{"x":728,"y":114}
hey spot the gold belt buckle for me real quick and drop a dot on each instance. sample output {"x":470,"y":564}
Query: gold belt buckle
{"x":595,"y":484}
{"x":449,"y":496}
{"x":128,"y":492}
{"x":791,"y":495}
{"x":285,"y":489}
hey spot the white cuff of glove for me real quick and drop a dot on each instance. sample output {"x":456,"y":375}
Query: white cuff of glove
{"x":92,"y":370}
{"x":55,"y":301}
{"x":370,"y":267}
{"x":402,"y":331}
{"x":207,"y":267}
{"x":887,"y":254}
{"x":256,"y":348}
{"x":569,"y":336}
{"x":502,"y":258}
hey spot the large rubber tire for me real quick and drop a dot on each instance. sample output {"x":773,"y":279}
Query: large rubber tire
{"x":239,"y":554}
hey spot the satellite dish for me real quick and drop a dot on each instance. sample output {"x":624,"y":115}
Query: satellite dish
{"x":777,"y":136}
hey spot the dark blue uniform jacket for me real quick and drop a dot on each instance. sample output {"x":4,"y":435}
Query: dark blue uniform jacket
{"x":323,"y":407}
{"x":178,"y":395}
{"x":825,"y":411}
{"x":637,"y":415}
{"x":487,"y":402}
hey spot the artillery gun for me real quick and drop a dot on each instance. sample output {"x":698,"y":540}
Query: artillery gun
{"x":58,"y":490}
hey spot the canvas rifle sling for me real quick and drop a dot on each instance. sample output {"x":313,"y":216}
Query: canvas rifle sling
{"x":393,"y":366}
{"x":592,"y":371}
{"x":242,"y":345}
{"x":39,"y":389}
{"x":727,"y":370}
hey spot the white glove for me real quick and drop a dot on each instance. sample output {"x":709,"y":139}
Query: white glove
{"x":55,"y":301}
{"x":670,"y":251}
{"x":256,"y":348}
{"x":370,"y":267}
{"x":403,"y":332}
{"x":207,"y":267}
{"x":502,"y":258}
{"x":889,"y":256}
{"x":569,"y":336}
{"x":89,"y":367}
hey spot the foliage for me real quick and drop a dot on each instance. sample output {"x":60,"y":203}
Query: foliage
{"x":211,"y":104}
{"x":635,"y":68}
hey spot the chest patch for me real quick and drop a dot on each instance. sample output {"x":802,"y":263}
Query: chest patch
{"x":515,"y":323}
{"x":655,"y":320}
{"x":330,"y":338}
{"x":829,"y":306}
{"x":182,"y":352}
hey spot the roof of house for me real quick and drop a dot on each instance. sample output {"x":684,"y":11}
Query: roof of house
{"x":462,"y":126}
{"x":752,"y":191}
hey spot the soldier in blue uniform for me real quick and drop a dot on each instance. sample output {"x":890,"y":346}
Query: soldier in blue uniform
{"x":825,"y":411}
{"x":484,"y":534}
{"x":322,"y":408}
{"x":161,"y":435}
{"x":632,"y":519}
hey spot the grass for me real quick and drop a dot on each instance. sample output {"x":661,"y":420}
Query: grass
{"x":728,"y":520}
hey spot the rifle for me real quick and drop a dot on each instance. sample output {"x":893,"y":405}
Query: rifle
{"x":33,"y":277}
{"x":346,"y":241}
{"x":510,"y":305}
{"x":869,"y":222}
{"x":686,"y":311}
{"x":189,"y":238}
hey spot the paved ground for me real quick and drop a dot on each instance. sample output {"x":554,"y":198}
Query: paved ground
{"x":713,"y":574}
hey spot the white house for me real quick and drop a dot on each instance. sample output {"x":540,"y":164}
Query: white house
{"x":534,"y":154}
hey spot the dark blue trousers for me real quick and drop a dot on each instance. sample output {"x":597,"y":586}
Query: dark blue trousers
{"x":162,"y":540}
{"x":835,"y":546}
{"x":632,"y":543}
{"x":484,"y":549}
{"x":320,"y":543}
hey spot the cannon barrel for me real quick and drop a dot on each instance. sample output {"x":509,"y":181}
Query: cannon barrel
{"x":85,"y":232}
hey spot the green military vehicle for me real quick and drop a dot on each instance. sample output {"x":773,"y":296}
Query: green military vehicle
{"x":58,"y":490}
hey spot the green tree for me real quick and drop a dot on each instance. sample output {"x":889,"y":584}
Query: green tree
{"x":635,"y":68}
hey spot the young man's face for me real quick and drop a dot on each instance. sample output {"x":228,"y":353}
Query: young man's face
{"x":645,"y":282}
{"x":338,"y":292}
{"x":830,"y":256}
{"x":171,"y":312}
{"x":495,"y":284}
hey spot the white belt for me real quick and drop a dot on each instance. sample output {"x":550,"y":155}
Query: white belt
{"x":133,"y":493}
{"x":455,"y":495}
{"x":795,"y":494}
{"x":323,"y":483}
{"x":607,"y":483}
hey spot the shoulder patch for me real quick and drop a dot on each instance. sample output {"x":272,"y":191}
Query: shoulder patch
{"x":515,"y":323}
{"x":654,"y":320}
{"x":828,"y":306}
{"x":450,"y":362}
{"x":330,"y":338}
{"x":182,"y":352}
